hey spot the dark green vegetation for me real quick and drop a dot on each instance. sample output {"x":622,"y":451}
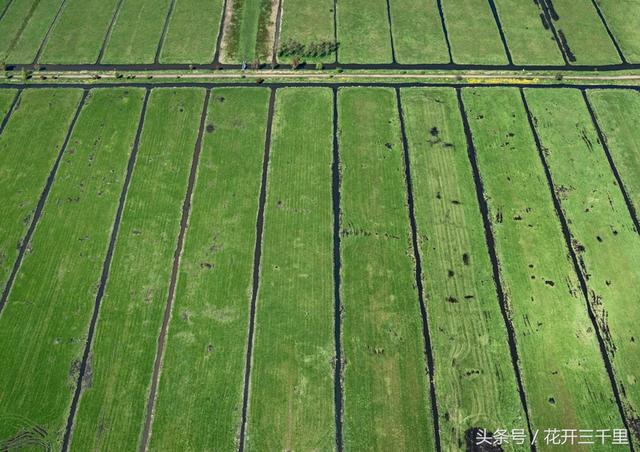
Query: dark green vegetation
{"x":249,"y":33}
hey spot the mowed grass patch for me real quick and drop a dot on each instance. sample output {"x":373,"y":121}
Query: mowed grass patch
{"x":200,"y":393}
{"x":29,"y":146}
{"x":193,"y":32}
{"x":473,"y":32}
{"x":617,"y":112}
{"x":386,"y":402}
{"x":559,"y":353}
{"x":136,"y":33}
{"x":44,"y":324}
{"x":603,"y":235}
{"x":528,"y":40}
{"x":417,"y":32}
{"x":23,"y":28}
{"x":79,"y":33}
{"x":308,"y":21}
{"x":363,"y":32}
{"x":623,"y":18}
{"x":585,"y":33}
{"x":111,"y":412}
{"x":291,"y":405}
{"x":474,"y":376}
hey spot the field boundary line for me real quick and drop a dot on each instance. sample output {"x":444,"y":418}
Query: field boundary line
{"x":393,"y":47}
{"x":552,"y":27}
{"x":163,"y":35}
{"x":177,"y":257}
{"x":566,"y":232}
{"x":257,"y":255}
{"x":6,"y":8}
{"x":107,"y":36}
{"x":609,"y":32}
{"x":41,"y":203}
{"x":221,"y":25}
{"x":338,"y":390}
{"x":495,"y":264}
{"x":276,"y":34}
{"x":106,"y":268}
{"x":444,"y":30}
{"x":503,"y":38}
{"x":426,"y":335}
{"x":52,"y":25}
{"x":335,"y":28}
{"x":612,"y":164}
{"x":12,"y":108}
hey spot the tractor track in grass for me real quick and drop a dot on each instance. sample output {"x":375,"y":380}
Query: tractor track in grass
{"x":612,"y":164}
{"x":568,"y":237}
{"x":163,"y":35}
{"x":393,"y":47}
{"x":503,"y":38}
{"x":495,"y":264}
{"x":106,"y":267}
{"x":12,"y":107}
{"x":45,"y":40}
{"x":166,"y":320}
{"x":336,"y":178}
{"x":609,"y":32}
{"x":257,"y":255}
{"x":426,"y":334}
{"x":221,"y":25}
{"x":107,"y":35}
{"x":445,"y":31}
{"x":41,"y":203}
{"x":6,"y":8}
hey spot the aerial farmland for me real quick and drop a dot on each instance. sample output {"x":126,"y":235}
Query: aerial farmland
{"x":328,"y":225}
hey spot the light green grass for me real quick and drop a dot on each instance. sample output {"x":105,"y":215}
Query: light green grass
{"x":528,"y":41}
{"x":623,"y":18}
{"x":585,"y":33}
{"x":616,"y":112}
{"x":473,"y":32}
{"x":604,"y":238}
{"x":417,"y":32}
{"x":363,"y":32}
{"x":558,"y":349}
{"x":192,"y":33}
{"x":22,"y":29}
{"x":79,"y":33}
{"x":308,"y":21}
{"x":44,"y":324}
{"x":291,"y":406}
{"x":29,"y":146}
{"x":6,"y":98}
{"x":474,"y":375}
{"x":136,"y":32}
{"x":386,"y":402}
{"x":200,"y":393}
{"x":111,"y":412}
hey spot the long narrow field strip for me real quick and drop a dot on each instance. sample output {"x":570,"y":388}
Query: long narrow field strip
{"x":386,"y":401}
{"x":23,"y":28}
{"x":530,"y":40}
{"x":307,"y":22}
{"x":111,"y":411}
{"x":44,"y":323}
{"x":476,"y":385}
{"x":558,"y":348}
{"x":473,"y":32}
{"x":192,"y":32}
{"x":41,"y":118}
{"x":363,"y":31}
{"x":79,"y":33}
{"x":249,"y":31}
{"x":291,"y":404}
{"x":603,"y":234}
{"x":200,"y":393}
{"x":8,"y":101}
{"x":617,"y":113}
{"x":136,"y":32}
{"x":417,"y":32}
{"x":623,"y":18}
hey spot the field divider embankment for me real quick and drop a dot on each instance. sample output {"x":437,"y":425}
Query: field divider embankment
{"x":495,"y":264}
{"x":338,"y":392}
{"x":166,"y":320}
{"x":257,"y":255}
{"x":223,"y":17}
{"x":53,"y":23}
{"x":107,"y":35}
{"x":582,"y":279}
{"x":41,"y":203}
{"x":276,"y":34}
{"x":12,"y":107}
{"x":609,"y":32}
{"x":612,"y":164}
{"x":106,"y":267}
{"x":165,"y":27}
{"x":426,"y":334}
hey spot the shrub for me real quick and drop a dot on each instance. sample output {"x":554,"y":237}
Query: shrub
{"x":314,"y":49}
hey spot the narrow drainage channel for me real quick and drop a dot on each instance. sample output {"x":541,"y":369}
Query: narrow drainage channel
{"x":165,"y":27}
{"x":484,"y":210}
{"x":549,"y":20}
{"x":216,"y":55}
{"x":105,"y":276}
{"x":609,"y":32}
{"x":43,"y":44}
{"x":445,"y":31}
{"x":496,"y":17}
{"x":12,"y":108}
{"x":107,"y":36}
{"x":418,"y":276}
{"x":393,"y":47}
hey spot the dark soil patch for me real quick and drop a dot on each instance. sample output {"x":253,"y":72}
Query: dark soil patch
{"x":210,"y":128}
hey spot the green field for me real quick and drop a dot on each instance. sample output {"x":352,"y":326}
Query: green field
{"x":363,"y":32}
{"x":623,"y":17}
{"x":249,"y":35}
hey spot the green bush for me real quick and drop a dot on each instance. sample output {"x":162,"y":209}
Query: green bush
{"x":291,"y":48}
